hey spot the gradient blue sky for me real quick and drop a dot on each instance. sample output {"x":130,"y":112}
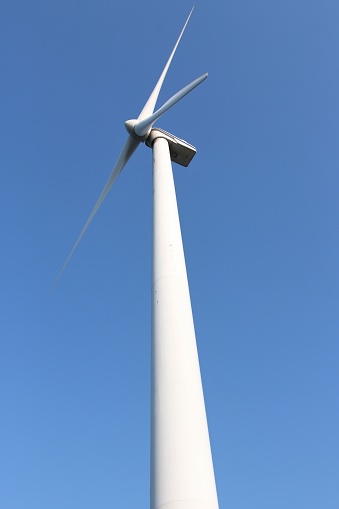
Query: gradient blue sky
{"x":259,"y":213}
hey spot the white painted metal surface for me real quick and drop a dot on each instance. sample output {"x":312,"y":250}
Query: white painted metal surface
{"x":182,"y":475}
{"x":181,"y":152}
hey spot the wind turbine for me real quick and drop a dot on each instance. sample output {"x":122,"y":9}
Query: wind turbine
{"x":182,"y":475}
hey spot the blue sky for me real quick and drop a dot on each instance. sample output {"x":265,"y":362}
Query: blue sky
{"x":259,"y":213}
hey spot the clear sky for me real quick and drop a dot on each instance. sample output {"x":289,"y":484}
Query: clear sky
{"x":259,"y":213}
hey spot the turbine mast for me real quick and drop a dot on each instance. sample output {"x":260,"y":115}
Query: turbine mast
{"x":182,"y":475}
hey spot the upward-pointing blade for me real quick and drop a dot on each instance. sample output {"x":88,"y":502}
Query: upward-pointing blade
{"x":129,"y":148}
{"x":150,"y":104}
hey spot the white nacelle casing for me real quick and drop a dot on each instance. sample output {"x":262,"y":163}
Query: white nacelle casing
{"x":181,"y":152}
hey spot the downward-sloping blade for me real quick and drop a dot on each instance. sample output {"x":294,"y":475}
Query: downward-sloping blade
{"x":129,"y":148}
{"x":150,"y":104}
{"x":142,"y":127}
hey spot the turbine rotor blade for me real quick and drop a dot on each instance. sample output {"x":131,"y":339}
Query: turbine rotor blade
{"x":129,"y":148}
{"x":150,"y":104}
{"x":144,"y":126}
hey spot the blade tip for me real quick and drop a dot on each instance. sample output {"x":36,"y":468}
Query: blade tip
{"x":190,"y":14}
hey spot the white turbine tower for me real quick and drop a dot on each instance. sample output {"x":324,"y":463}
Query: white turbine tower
{"x":182,"y":475}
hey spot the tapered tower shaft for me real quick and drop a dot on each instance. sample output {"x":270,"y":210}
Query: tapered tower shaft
{"x":182,"y":475}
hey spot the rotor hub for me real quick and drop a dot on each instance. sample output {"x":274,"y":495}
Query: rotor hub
{"x":130,"y":125}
